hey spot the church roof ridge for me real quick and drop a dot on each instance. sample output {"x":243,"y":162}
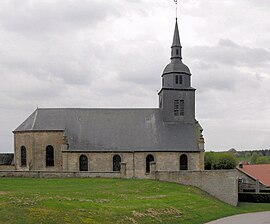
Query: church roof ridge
{"x":97,"y":108}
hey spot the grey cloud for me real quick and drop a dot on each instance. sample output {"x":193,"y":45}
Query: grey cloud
{"x":230,"y":53}
{"x":64,"y":53}
{"x":41,"y":17}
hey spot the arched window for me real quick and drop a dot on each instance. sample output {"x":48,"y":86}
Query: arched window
{"x":116,"y":163}
{"x":83,"y":163}
{"x":149,"y":158}
{"x":23,"y":156}
{"x":183,"y":162}
{"x":49,"y":156}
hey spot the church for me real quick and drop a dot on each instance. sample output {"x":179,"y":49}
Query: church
{"x":101,"y":140}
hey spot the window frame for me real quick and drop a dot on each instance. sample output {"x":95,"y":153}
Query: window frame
{"x":176,"y":108}
{"x":185,"y":165}
{"x":149,"y":158}
{"x":50,"y":156}
{"x":182,"y":108}
{"x":178,"y":79}
{"x":83,"y":165}
{"x":117,"y":163}
{"x":23,"y":156}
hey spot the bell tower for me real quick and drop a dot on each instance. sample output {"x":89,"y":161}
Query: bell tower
{"x":177,"y":97}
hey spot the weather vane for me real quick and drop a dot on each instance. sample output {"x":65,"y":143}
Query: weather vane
{"x":176,"y":6}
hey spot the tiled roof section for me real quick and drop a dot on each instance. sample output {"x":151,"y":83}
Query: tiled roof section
{"x":258,"y":171}
{"x":114,"y":129}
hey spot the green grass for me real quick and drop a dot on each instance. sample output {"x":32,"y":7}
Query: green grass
{"x":109,"y":201}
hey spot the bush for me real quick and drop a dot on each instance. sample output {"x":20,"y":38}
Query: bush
{"x":252,"y":197}
{"x":208,"y":160}
{"x":224,"y":161}
{"x":218,"y":161}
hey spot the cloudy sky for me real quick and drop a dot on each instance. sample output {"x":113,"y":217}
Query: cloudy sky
{"x":100,"y":53}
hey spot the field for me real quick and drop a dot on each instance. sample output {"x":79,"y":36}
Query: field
{"x":109,"y":201}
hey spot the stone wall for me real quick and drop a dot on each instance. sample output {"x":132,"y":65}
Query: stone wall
{"x":35,"y":144}
{"x":222,"y":184}
{"x":55,"y":174}
{"x":135,"y":162}
{"x":65,"y":160}
{"x":7,"y":167}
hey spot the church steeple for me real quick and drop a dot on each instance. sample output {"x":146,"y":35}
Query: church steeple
{"x":177,"y":97}
{"x":176,"y":45}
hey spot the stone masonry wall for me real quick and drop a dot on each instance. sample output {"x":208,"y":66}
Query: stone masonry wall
{"x":7,"y":167}
{"x":222,"y":184}
{"x":55,"y":174}
{"x":135,"y":162}
{"x":35,"y":144}
{"x":65,"y":160}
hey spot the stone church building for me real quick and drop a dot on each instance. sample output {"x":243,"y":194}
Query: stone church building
{"x":102,"y":140}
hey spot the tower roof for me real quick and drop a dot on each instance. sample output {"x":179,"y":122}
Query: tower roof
{"x":176,"y":65}
{"x":176,"y":36}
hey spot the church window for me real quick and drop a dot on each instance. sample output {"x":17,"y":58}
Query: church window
{"x":163,"y":82}
{"x":149,"y":159}
{"x":83,"y":163}
{"x":23,"y":156}
{"x":182,"y":108}
{"x":177,"y":51}
{"x":116,"y":163}
{"x":49,"y":156}
{"x":178,"y":79}
{"x":176,"y":107}
{"x":183,"y":162}
{"x":179,"y":108}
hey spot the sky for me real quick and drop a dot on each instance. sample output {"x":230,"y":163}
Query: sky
{"x":99,"y":53}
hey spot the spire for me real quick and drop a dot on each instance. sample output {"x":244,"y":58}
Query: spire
{"x":176,"y":65}
{"x":176,"y":37}
{"x":176,"y":45}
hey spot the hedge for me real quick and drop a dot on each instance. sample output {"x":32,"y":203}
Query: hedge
{"x":253,"y":197}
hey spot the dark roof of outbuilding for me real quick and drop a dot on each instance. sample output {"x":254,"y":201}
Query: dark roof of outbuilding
{"x":6,"y":158}
{"x":114,"y":129}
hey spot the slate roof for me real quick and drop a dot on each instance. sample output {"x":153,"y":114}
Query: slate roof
{"x":258,"y":172}
{"x":176,"y":66}
{"x":114,"y":129}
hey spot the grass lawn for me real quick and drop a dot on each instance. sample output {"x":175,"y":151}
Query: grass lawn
{"x":109,"y":201}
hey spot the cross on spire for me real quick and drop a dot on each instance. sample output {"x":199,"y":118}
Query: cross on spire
{"x":176,"y":8}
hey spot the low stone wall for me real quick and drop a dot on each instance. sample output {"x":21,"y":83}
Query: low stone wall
{"x":53,"y":174}
{"x":7,"y":167}
{"x":222,"y":184}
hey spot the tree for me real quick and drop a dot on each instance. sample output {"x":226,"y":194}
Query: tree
{"x":237,"y":154}
{"x":247,"y":154}
{"x":262,"y":160}
{"x":254,"y":158}
{"x":232,"y":150}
